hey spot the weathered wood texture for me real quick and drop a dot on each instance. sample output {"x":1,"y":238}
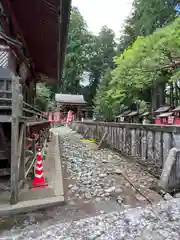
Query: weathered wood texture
{"x":147,"y":144}
{"x":14,"y":140}
{"x":24,"y":122}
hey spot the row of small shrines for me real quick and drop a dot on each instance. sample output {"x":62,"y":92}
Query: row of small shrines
{"x":163,"y":115}
{"x":79,"y":111}
{"x":57,"y":117}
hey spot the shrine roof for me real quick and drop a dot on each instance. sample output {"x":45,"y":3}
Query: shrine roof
{"x":167,"y":114}
{"x":177,"y":109}
{"x":70,"y":99}
{"x":162,"y":109}
{"x":145,"y":114}
{"x":124,"y":114}
{"x":132,"y":114}
{"x":44,"y":32}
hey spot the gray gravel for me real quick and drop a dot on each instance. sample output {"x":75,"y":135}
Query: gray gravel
{"x":158,"y":223}
{"x":100,"y":201}
{"x":95,"y":174}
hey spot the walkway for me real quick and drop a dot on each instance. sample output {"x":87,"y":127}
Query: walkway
{"x":101,"y":204}
{"x":95,"y":180}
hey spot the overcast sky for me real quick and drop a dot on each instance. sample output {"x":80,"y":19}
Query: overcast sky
{"x":104,"y":12}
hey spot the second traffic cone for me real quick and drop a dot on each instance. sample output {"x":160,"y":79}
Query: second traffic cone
{"x":39,"y":180}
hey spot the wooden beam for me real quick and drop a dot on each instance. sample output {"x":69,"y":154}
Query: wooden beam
{"x":102,"y":139}
{"x":8,"y":5}
{"x":14,"y":140}
{"x":3,"y":139}
{"x":86,"y":132}
{"x":21,"y":152}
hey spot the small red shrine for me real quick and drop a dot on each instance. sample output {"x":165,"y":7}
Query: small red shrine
{"x":123,"y":117}
{"x":70,"y":102}
{"x":163,"y":116}
{"x":176,"y":116}
{"x":169,"y":117}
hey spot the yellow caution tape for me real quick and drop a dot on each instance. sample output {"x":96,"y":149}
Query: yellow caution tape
{"x":91,"y":140}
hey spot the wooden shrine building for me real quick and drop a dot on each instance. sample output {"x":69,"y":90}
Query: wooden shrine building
{"x":75,"y":103}
{"x":123,"y":117}
{"x":33,"y":38}
{"x":162,"y":114}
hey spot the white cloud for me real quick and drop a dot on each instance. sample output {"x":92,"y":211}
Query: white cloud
{"x":104,"y":12}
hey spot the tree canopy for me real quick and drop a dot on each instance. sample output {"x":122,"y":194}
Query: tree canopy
{"x":88,"y":56}
{"x":146,"y":17}
{"x":44,"y":97}
{"x":100,"y":58}
{"x":145,"y":64}
{"x":86,"y":53}
{"x":153,"y":14}
{"x":77,"y":52}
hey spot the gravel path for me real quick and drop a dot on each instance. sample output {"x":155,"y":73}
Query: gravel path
{"x":158,"y":223}
{"x":95,"y":179}
{"x":99,"y":201}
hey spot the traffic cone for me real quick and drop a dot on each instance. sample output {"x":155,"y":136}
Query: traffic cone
{"x":39,"y":181}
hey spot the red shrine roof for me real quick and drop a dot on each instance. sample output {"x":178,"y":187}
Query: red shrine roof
{"x":38,"y":21}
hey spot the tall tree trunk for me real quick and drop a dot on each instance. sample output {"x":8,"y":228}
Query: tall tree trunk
{"x":161,"y":90}
{"x":154,"y":99}
{"x":171,"y":95}
{"x":176,"y":95}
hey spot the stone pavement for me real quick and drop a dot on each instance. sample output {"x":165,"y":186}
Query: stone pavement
{"x":101,"y":204}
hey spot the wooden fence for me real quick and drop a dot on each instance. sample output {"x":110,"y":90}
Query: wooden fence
{"x":147,"y":144}
{"x":28,"y":128}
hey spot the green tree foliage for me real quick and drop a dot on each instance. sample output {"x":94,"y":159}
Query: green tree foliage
{"x":146,"y":47}
{"x":102,"y":99}
{"x":147,"y":16}
{"x":77,"y":52}
{"x":106,"y":104}
{"x":86,"y":53}
{"x":139,"y":67}
{"x":143,"y":66}
{"x":44,"y":97}
{"x":153,"y":14}
{"x":128,"y":35}
{"x":100,"y":58}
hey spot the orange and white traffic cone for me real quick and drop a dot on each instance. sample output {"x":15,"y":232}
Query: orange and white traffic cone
{"x":39,"y":181}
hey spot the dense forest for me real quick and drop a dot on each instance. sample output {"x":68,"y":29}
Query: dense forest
{"x":114,"y":74}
